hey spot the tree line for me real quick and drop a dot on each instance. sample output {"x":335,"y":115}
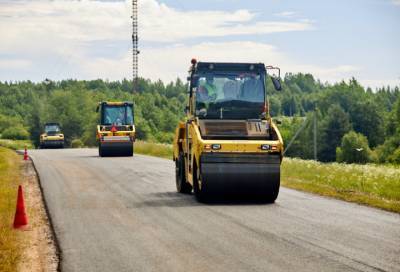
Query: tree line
{"x":354,"y":124}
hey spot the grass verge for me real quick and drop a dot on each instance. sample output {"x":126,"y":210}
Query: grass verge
{"x":10,"y":166}
{"x":16,"y":144}
{"x":373,"y":185}
{"x":154,"y":149}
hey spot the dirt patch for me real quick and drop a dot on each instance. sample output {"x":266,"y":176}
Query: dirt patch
{"x":40,"y":251}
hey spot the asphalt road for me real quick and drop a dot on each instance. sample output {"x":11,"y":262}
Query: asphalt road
{"x":123,"y":214}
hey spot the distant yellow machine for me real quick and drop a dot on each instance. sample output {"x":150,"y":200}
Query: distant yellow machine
{"x":229,"y":144}
{"x":116,"y":131}
{"x":52,"y":136}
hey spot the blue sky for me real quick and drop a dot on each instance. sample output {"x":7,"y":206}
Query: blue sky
{"x":91,"y":39}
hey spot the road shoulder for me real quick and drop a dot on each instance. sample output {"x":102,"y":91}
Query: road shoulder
{"x":39,"y":248}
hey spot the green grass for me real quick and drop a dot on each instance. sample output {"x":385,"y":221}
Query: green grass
{"x":371,"y":184}
{"x":16,"y":144}
{"x":374,"y":185}
{"x":10,"y":166}
{"x":154,"y":149}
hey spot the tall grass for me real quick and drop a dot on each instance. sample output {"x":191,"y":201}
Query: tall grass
{"x":154,"y":149}
{"x":16,"y":144}
{"x":10,"y":164}
{"x":375,"y":185}
{"x":371,"y":184}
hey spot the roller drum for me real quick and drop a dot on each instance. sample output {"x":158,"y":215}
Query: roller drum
{"x":252,"y":175}
{"x":116,"y":149}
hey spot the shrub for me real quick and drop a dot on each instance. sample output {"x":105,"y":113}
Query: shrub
{"x":15,"y":133}
{"x":354,"y":149}
{"x":395,"y":157}
{"x":8,"y":121}
{"x":77,"y":143}
{"x":387,"y":149}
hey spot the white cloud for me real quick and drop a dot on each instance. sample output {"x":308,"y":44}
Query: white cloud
{"x":85,"y":21}
{"x":169,"y":62}
{"x":161,"y":23}
{"x":14,"y":63}
{"x":286,"y":14}
{"x":68,"y":33}
{"x":396,"y":2}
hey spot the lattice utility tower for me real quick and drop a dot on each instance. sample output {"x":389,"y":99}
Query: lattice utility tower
{"x":135,"y":45}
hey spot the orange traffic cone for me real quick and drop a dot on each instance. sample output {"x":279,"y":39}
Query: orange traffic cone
{"x":26,"y":154}
{"x":20,"y":218}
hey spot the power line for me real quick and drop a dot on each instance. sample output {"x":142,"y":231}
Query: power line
{"x":302,"y":127}
{"x":296,"y":134}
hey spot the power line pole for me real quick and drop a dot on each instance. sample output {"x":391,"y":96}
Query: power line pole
{"x":296,"y":134}
{"x":135,"y":45}
{"x":315,"y":134}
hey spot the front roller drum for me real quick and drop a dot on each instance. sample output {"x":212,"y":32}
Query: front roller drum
{"x":253,"y":178}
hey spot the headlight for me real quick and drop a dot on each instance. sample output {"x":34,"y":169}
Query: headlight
{"x":265,"y":147}
{"x":212,"y":146}
{"x":216,"y":146}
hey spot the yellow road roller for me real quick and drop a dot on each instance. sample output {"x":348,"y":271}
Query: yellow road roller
{"x":116,"y":131}
{"x":228,"y":146}
{"x":52,"y":137}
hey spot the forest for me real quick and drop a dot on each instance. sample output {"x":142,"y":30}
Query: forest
{"x":354,"y":124}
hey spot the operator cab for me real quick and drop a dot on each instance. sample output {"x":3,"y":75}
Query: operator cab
{"x":118,"y":114}
{"x":229,"y":100}
{"x":229,"y":91}
{"x":52,"y":129}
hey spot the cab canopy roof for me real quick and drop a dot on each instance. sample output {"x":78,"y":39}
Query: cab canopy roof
{"x":115,"y":104}
{"x":210,"y":67}
{"x":51,"y":124}
{"x":109,"y":103}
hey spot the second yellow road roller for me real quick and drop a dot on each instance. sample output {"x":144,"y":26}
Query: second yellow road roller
{"x":116,"y":131}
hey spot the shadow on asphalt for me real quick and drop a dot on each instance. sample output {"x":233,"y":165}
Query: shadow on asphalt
{"x":105,"y":157}
{"x":174,"y":199}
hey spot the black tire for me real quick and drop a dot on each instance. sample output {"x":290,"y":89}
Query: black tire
{"x":199,"y":186}
{"x":182,"y":186}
